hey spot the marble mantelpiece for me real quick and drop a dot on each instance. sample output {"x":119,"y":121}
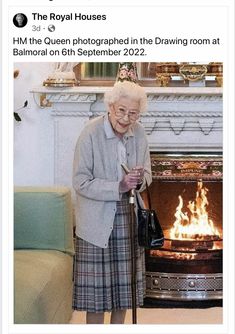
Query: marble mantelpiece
{"x":178,"y":119}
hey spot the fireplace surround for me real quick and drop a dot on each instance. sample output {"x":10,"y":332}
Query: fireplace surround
{"x":181,"y":123}
{"x":179,"y":119}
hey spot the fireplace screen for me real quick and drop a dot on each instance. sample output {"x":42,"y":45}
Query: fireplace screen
{"x":187,"y":195}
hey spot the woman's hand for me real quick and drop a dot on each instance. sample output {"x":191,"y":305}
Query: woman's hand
{"x":132,"y":179}
{"x":139,"y":170}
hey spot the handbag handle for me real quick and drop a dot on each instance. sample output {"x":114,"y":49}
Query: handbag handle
{"x":148,"y":197}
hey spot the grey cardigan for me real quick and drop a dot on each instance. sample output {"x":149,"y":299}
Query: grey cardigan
{"x":95,"y":177}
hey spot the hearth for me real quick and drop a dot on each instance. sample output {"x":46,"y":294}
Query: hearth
{"x":187,"y":195}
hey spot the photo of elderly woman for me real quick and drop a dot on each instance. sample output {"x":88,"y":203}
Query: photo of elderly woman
{"x":102,"y":137}
{"x":20,"y":20}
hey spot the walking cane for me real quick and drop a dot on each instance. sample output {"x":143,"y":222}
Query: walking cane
{"x":133,"y":249}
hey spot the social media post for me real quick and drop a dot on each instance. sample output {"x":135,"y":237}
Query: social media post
{"x":88,"y":33}
{"x":53,"y":115}
{"x":71,"y":132}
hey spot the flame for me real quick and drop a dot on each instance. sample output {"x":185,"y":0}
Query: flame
{"x":197,"y":225}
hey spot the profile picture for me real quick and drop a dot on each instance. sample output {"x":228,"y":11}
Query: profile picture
{"x":20,"y":20}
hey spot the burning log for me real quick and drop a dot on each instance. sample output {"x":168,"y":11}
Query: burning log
{"x":194,"y":224}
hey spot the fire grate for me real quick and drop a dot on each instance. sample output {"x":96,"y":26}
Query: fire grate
{"x":174,"y":286}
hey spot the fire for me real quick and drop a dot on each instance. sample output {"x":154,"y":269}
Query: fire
{"x":197,"y":224}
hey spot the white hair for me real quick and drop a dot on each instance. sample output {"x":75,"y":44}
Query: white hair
{"x":126,"y":89}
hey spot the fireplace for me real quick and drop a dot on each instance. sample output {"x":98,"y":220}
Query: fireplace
{"x":187,"y":195}
{"x":185,"y":119}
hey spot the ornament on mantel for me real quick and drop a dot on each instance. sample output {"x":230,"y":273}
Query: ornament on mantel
{"x":127,"y":72}
{"x":62,"y":76}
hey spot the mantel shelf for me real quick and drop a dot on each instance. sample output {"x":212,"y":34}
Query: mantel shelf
{"x":149,"y":90}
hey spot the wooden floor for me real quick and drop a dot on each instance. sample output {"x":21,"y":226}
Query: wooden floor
{"x":213,"y":315}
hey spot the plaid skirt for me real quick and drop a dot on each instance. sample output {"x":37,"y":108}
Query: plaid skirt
{"x":102,"y":276}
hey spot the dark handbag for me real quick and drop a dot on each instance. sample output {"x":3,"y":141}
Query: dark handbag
{"x":150,"y":233}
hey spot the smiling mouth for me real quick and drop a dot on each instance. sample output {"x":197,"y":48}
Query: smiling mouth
{"x":123,"y":125}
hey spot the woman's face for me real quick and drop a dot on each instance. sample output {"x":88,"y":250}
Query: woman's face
{"x":19,"y":19}
{"x":123,"y":113}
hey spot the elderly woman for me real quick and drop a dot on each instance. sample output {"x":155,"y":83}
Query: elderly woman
{"x":102,"y":281}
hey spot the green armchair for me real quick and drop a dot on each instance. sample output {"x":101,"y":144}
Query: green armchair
{"x":43,"y":255}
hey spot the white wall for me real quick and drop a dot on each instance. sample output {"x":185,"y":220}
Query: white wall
{"x":33,"y":136}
